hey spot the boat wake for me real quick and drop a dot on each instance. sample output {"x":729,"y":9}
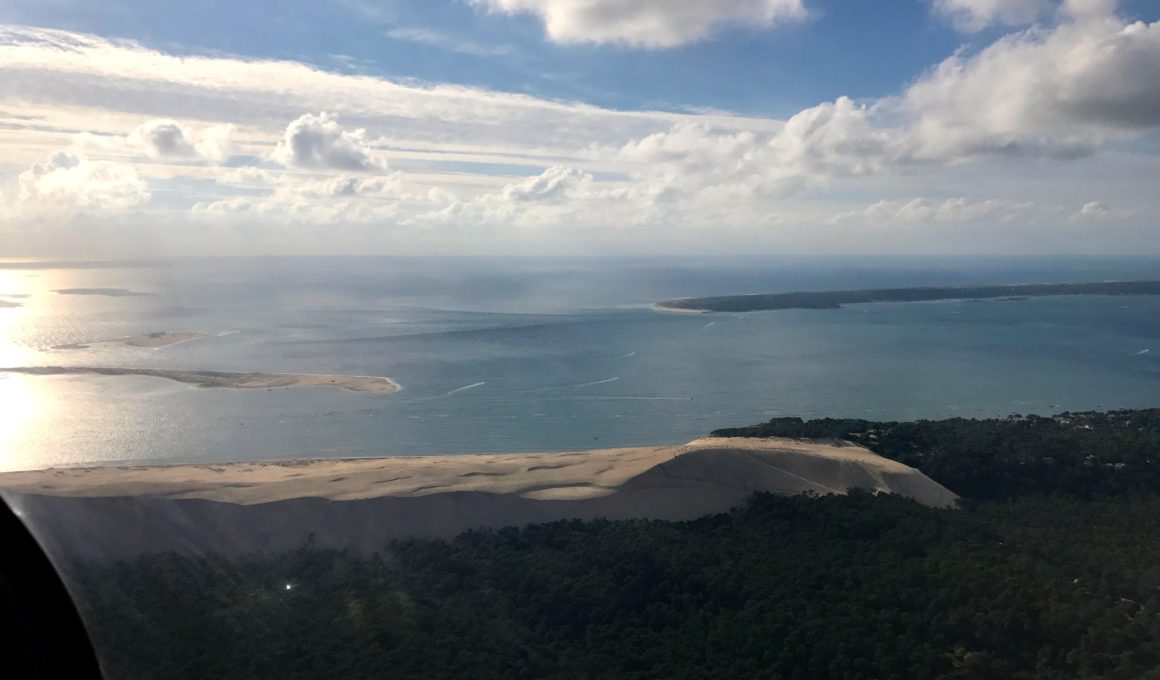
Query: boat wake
{"x":472,"y":386}
{"x":597,"y":382}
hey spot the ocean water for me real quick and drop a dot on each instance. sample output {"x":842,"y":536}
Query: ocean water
{"x":541,"y":354}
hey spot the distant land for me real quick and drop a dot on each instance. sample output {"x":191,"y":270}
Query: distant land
{"x":833,"y":299}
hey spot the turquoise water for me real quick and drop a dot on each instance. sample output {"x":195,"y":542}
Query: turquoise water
{"x":525,"y":355}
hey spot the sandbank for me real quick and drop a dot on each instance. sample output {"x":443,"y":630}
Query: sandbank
{"x":228,"y":380}
{"x":147,"y":340}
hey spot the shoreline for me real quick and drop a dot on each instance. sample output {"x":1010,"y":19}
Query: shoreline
{"x":225,"y":379}
{"x":836,"y":299}
{"x":661,"y":307}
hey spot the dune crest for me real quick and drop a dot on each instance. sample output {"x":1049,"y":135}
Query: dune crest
{"x":362,"y":503}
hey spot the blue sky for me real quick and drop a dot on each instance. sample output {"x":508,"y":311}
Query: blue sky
{"x":675,"y":112}
{"x":857,"y":49}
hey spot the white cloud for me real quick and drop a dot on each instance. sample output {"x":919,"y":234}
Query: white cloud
{"x":67,"y":183}
{"x":928,"y":211}
{"x":160,"y":138}
{"x":832,"y":140}
{"x":1097,"y":211}
{"x":554,"y":185}
{"x":68,"y":77}
{"x":975,"y":15}
{"x":333,"y":200}
{"x":990,"y":123}
{"x":248,"y":175}
{"x":215,"y":142}
{"x":645,"y":23}
{"x":319,"y":143}
{"x":1061,"y":91}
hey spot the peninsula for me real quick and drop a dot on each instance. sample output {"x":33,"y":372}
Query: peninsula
{"x":833,"y":299}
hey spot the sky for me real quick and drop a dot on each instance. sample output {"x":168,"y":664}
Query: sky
{"x":494,"y":127}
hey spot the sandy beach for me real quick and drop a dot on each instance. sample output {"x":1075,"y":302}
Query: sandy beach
{"x":227,"y":380}
{"x":361,"y":503}
{"x":658,"y":307}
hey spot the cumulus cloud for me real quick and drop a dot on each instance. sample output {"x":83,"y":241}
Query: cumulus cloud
{"x":832,"y":140}
{"x":66,"y":182}
{"x":1097,"y":211}
{"x":555,"y":184}
{"x":975,"y":15}
{"x":645,"y":23}
{"x":160,"y":138}
{"x":318,"y":142}
{"x":1059,"y":91}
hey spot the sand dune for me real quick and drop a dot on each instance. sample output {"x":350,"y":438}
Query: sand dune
{"x":362,"y":503}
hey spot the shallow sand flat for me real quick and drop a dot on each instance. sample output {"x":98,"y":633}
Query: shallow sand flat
{"x":101,"y":292}
{"x":148,"y":340}
{"x":361,"y":504}
{"x":160,"y":339}
{"x":355,"y":383}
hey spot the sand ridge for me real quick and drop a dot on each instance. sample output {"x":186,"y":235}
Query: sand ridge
{"x":785,"y":465}
{"x":362,"y":504}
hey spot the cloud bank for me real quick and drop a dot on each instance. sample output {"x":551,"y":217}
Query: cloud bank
{"x":1036,"y":129}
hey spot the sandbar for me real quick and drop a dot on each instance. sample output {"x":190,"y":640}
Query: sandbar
{"x":103,"y":292}
{"x":228,"y":380}
{"x":147,"y":340}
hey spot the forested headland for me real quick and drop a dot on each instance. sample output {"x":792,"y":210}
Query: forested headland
{"x":1050,"y":569}
{"x":832,"y":299}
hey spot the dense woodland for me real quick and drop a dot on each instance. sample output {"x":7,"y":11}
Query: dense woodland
{"x":1085,"y":454}
{"x":1041,"y":584}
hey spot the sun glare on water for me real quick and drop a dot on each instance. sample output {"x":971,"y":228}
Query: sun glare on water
{"x":21,"y":397}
